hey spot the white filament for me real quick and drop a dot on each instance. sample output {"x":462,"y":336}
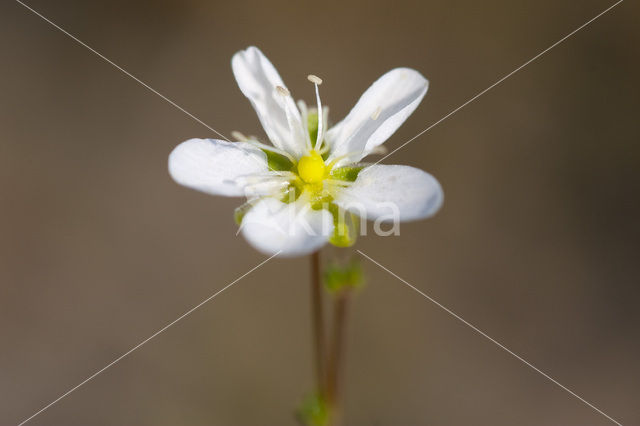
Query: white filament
{"x":316,"y":82}
{"x":293,"y":120}
{"x":302,"y":106}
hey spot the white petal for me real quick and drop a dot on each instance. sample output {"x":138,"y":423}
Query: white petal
{"x":380,"y":111}
{"x":383,"y":191}
{"x":294,"y":229}
{"x":214,"y":166}
{"x":279,"y":116}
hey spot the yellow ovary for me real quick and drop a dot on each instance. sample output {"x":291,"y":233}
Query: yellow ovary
{"x":311,"y":168}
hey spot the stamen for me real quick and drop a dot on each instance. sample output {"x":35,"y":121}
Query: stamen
{"x":379,"y":150}
{"x":277,"y":184}
{"x":293,"y":115}
{"x":314,"y":79}
{"x":238,"y":136}
{"x":323,"y":149}
{"x":265,"y":188}
{"x":302,"y":106}
{"x":283,"y":91}
{"x":248,"y":182}
{"x":376,"y":114}
{"x":316,"y":82}
{"x":272,"y":149}
{"x":338,"y":182}
{"x":276,"y":175}
{"x":265,"y":183}
{"x":324,"y":146}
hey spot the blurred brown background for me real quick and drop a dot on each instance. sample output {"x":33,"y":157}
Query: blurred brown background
{"x":537,"y":244}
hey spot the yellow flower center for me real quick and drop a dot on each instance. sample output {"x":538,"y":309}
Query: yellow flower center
{"x":311,"y":168}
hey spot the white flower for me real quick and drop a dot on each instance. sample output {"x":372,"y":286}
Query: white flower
{"x":310,"y":187}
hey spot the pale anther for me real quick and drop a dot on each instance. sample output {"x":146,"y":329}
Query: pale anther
{"x":238,"y":136}
{"x":376,"y":114}
{"x":282,"y":90}
{"x":379,"y":150}
{"x":314,"y":79}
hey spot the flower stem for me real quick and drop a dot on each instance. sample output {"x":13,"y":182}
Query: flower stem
{"x":318,"y":324}
{"x":336,"y":356}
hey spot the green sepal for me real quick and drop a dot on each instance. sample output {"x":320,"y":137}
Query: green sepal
{"x":348,"y":173}
{"x":240,"y":212}
{"x":278,"y":162}
{"x":291,"y":194}
{"x":338,"y":277}
{"x":345,"y":227}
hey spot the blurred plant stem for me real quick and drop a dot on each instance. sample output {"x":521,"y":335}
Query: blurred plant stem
{"x":336,"y":356}
{"x":317,"y":314}
{"x":324,"y":406}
